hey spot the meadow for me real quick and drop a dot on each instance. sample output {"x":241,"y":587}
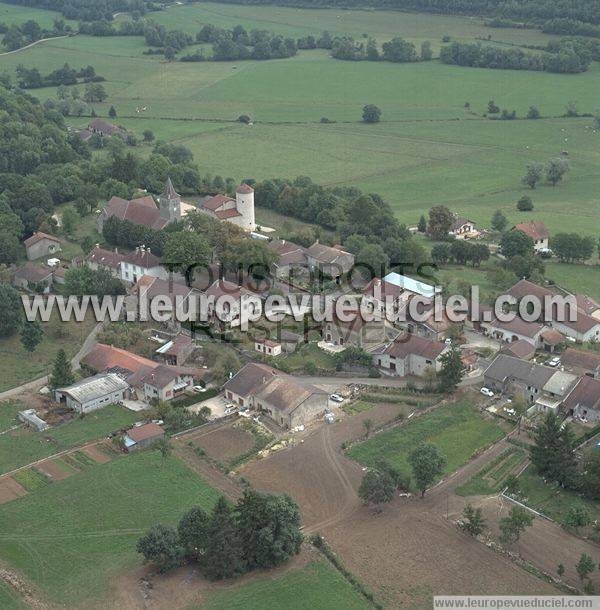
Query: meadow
{"x":24,"y":445}
{"x":316,"y":585}
{"x":74,"y":538}
{"x":457,"y":429}
{"x":428,"y":148}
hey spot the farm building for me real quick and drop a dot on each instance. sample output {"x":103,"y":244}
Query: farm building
{"x":41,"y":244}
{"x":93,"y":393}
{"x":581,"y":362}
{"x":356,"y":332}
{"x":285,"y":399}
{"x":37,"y":278}
{"x":584,"y":400}
{"x":30,"y":418}
{"x":140,"y":437}
{"x":332,"y":261}
{"x":410,"y":355}
{"x":514,"y":330}
{"x":176,"y":351}
{"x":167,"y":382}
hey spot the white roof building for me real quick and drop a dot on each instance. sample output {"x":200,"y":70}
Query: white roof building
{"x":93,"y":393}
{"x":408,"y":283}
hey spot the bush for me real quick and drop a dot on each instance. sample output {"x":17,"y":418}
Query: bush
{"x":244,"y":118}
{"x":525,"y":204}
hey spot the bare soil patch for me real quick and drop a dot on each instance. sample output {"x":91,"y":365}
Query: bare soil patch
{"x":226,"y":443}
{"x":10,"y":490}
{"x":96,"y":453}
{"x":55,"y":469}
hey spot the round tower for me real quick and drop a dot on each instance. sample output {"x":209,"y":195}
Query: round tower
{"x":244,"y":202}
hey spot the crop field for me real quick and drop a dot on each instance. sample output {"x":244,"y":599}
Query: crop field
{"x":428,"y":149}
{"x":72,"y":539}
{"x":24,"y":445}
{"x":316,"y":585}
{"x":456,"y":429}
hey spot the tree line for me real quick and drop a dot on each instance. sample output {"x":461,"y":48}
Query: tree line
{"x":31,"y":78}
{"x":565,"y":57}
{"x":261,"y":531}
{"x":396,"y":50}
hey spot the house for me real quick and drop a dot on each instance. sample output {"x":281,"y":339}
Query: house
{"x":551,"y":340}
{"x":584,"y":401}
{"x":267,"y":347}
{"x":287,"y":400}
{"x":416,"y":287}
{"x":588,"y":305}
{"x":149,"y":287}
{"x":41,"y":244}
{"x":176,"y":351}
{"x":516,"y":329}
{"x":584,"y":329}
{"x":410,"y":355}
{"x":93,"y":393}
{"x":143,"y":210}
{"x":238,"y":211}
{"x":290,"y":341}
{"x":431,"y":325}
{"x":525,"y":288}
{"x":522,"y":349}
{"x":100,"y":258}
{"x":537,"y":230}
{"x":228,"y":302}
{"x":140,"y":437}
{"x":463,"y":228}
{"x":385,"y":297}
{"x":581,"y":362}
{"x":168,"y":382}
{"x":292,"y":259}
{"x":356,"y":332}
{"x":141,"y":262}
{"x":554,"y":392}
{"x":509,"y":375}
{"x":35,"y":278}
{"x":104,"y":128}
{"x":331,"y":261}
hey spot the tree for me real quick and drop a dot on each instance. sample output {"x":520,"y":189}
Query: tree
{"x":161,"y":546}
{"x":10,"y":247}
{"x":269,"y":529}
{"x":31,"y":335}
{"x":585,"y":566}
{"x":512,"y":526}
{"x":426,"y":53}
{"x":533,"y":113}
{"x":371,"y":114}
{"x":440,"y":222}
{"x":368,"y":426}
{"x":69,"y":220}
{"x":148,"y":135}
{"x":577,"y":517}
{"x":571,"y":247}
{"x":94,"y":92}
{"x":427,"y":463}
{"x":560,"y":570}
{"x":492,"y":108}
{"x":184,"y":250}
{"x":376,"y":487}
{"x":525,"y":204}
{"x":452,"y":370}
{"x":556,"y":169}
{"x":80,"y":281}
{"x":193,"y":533}
{"x":473,"y":521}
{"x":11,"y":310}
{"x":112,"y":112}
{"x":552,"y":451}
{"x":422,"y":226}
{"x":165,"y":447}
{"x":533,"y":174}
{"x":516,"y":243}
{"x":590,"y":478}
{"x":62,"y":373}
{"x":223,"y":547}
{"x":499,"y":221}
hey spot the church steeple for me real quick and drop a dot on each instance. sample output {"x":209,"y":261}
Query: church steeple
{"x":169,"y":203}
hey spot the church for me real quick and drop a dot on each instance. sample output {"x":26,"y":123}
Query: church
{"x":143,"y":210}
{"x":238,"y":211}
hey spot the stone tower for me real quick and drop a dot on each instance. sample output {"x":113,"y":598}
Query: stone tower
{"x":244,"y":202}
{"x":169,"y":203}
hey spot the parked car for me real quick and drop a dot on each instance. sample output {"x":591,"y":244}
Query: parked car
{"x":554,"y":361}
{"x":231,"y":409}
{"x":336,"y":398}
{"x":487,"y":392}
{"x":199,"y":388}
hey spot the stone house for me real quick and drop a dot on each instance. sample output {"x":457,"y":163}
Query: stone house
{"x":101,"y":258}
{"x":357,"y":332}
{"x":331,"y":261}
{"x":584,"y":401}
{"x":410,"y":355}
{"x":41,"y":244}
{"x":35,"y":278}
{"x":141,"y":262}
{"x":267,"y":347}
{"x":537,"y":230}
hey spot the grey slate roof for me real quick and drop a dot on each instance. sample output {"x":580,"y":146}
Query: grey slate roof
{"x":95,"y":387}
{"x":505,"y":368}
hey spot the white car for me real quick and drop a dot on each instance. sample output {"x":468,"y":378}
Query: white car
{"x":199,"y":388}
{"x":554,"y":361}
{"x":487,"y":392}
{"x":230,"y":410}
{"x":336,"y":398}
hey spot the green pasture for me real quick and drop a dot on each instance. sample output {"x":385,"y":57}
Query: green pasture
{"x":316,"y":585}
{"x":457,"y":429}
{"x":72,"y":539}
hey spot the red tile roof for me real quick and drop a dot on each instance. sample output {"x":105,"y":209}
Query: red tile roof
{"x":536,"y":229}
{"x":585,"y":395}
{"x":142,"y":433}
{"x":142,"y":258}
{"x":385,"y":289}
{"x":244,"y":189}
{"x":582,"y":359}
{"x":214,"y":203}
{"x":408,"y":344}
{"x":223,"y":214}
{"x":107,"y":258}
{"x":140,"y":211}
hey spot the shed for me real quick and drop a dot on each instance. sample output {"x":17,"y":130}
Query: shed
{"x":93,"y":393}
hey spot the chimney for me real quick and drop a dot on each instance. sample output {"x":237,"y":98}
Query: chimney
{"x":149,"y":251}
{"x":116,"y":250}
{"x":97,"y":246}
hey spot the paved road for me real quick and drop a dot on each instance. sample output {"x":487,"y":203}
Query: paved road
{"x":36,"y":384}
{"x":32,"y":45}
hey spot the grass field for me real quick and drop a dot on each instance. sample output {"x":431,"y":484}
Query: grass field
{"x":19,"y":366}
{"x":456,"y":429}
{"x":316,"y":585}
{"x":551,"y":500}
{"x":427,"y":149}
{"x":9,"y":598}
{"x":10,"y":13}
{"x":73,"y":538}
{"x":23,"y":446}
